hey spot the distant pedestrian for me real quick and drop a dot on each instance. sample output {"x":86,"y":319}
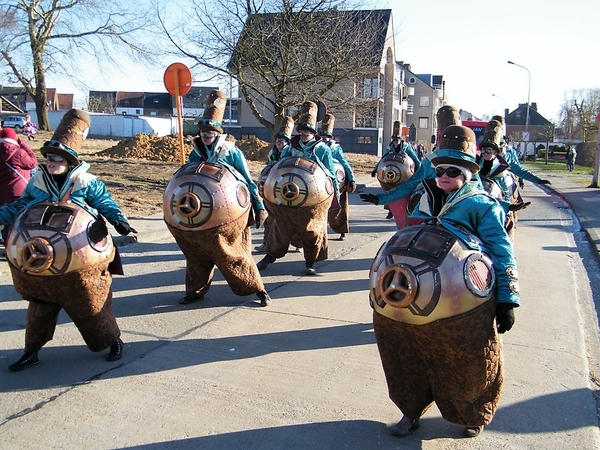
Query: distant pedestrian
{"x":30,"y":128}
{"x":571,"y":156}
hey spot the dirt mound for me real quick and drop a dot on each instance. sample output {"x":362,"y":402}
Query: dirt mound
{"x":148,"y":146}
{"x":166,"y":149}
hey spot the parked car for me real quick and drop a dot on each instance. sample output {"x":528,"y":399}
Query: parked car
{"x":16,"y":122}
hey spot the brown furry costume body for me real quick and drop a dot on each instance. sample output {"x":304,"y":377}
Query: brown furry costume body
{"x":338,"y":216}
{"x":304,"y":226}
{"x":226,"y":247}
{"x":85,"y":295}
{"x":437,"y":362}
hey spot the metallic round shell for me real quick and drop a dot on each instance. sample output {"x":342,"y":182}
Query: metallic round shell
{"x":340,"y":174}
{"x":201,"y":196}
{"x":394,"y":169}
{"x":297,"y":182}
{"x":262,"y":178}
{"x":55,"y":238}
{"x":424,"y":273}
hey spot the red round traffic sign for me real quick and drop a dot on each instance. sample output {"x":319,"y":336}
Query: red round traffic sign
{"x":178,"y":79}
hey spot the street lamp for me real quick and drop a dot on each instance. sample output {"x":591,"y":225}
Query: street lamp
{"x":528,"y":92}
{"x":503,"y":103}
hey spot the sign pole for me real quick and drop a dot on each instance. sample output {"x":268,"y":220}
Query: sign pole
{"x":179,"y":117}
{"x":178,"y":81}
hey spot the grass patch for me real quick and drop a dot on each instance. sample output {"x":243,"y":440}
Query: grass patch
{"x":557,"y":167}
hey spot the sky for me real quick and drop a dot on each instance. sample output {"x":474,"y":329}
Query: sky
{"x":468,"y":42}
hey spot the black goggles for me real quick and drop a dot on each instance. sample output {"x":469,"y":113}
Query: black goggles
{"x":452,"y":172}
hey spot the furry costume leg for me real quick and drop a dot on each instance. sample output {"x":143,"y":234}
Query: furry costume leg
{"x":227,"y":247}
{"x":338,"y":217}
{"x":41,"y":323}
{"x":307,"y":226}
{"x":456,"y":362}
{"x":86,"y":297}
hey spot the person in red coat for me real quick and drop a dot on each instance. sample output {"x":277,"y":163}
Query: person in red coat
{"x":16,"y":162}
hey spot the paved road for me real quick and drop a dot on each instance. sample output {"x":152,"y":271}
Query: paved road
{"x":303,"y":373}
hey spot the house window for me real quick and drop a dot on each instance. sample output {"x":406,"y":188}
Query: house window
{"x":424,"y":101}
{"x":138,"y":111}
{"x":371,"y":88}
{"x":412,"y":80}
{"x":424,"y":122}
{"x":366,"y":118}
{"x":364,"y":140}
{"x":397,"y":90}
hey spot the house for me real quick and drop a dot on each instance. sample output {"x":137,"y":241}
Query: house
{"x":425,"y":95}
{"x":539,"y":128}
{"x":380,"y":97}
{"x":17,"y":100}
{"x":156,"y":104}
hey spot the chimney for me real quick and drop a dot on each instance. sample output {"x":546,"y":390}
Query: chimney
{"x":533,"y":106}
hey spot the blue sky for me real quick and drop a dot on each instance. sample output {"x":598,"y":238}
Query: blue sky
{"x":469,"y":43}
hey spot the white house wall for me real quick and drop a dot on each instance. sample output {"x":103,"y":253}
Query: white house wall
{"x":119,"y":126}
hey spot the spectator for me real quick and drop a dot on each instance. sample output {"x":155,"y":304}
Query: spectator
{"x":571,"y":156}
{"x":30,"y":129}
{"x":17,"y":160}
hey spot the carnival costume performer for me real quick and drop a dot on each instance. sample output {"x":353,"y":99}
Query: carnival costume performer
{"x":509,"y":154}
{"x":282,"y":139}
{"x":446,"y":115}
{"x":303,"y":226}
{"x":496,"y":176}
{"x":60,"y":253}
{"x":225,"y":243}
{"x":447,"y":349}
{"x":397,"y":165}
{"x":338,"y":214}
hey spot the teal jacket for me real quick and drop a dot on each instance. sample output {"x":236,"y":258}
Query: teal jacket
{"x":226,"y":153}
{"x":510,"y":156}
{"x":477,"y":219}
{"x":338,"y":154}
{"x":86,"y":191}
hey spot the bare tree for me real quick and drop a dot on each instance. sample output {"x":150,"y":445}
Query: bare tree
{"x":284,"y":52}
{"x":578,"y":115}
{"x":40,"y":37}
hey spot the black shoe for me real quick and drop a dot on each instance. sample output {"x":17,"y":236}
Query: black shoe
{"x":264,"y":263}
{"x":261,"y":248}
{"x":264,"y":298}
{"x":389,"y":215}
{"x":28,"y":359}
{"x":116,"y":351}
{"x":189,"y":299}
{"x":405,"y":426}
{"x":310,"y":270}
{"x":471,"y":432}
{"x":343,"y":237}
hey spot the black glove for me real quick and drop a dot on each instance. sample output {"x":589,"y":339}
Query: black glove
{"x":505,"y":317}
{"x":351,"y":187}
{"x":369,"y":198}
{"x":374,"y":174}
{"x":123,"y":228}
{"x":544,"y":182}
{"x":261,"y":217}
{"x":518,"y":206}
